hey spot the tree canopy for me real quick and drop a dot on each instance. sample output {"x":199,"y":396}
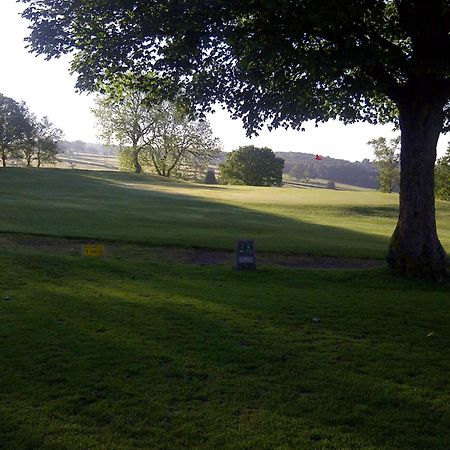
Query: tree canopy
{"x":24,"y":136}
{"x":176,"y":141}
{"x":279,"y":62}
{"x":14,"y":127}
{"x":45,"y":139}
{"x":267,"y":60}
{"x":252,"y":166}
{"x":40,"y":143}
{"x":159,"y":136}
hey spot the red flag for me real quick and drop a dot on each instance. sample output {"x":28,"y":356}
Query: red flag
{"x":318,"y":158}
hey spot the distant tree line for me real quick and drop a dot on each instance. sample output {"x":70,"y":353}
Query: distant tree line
{"x":382,"y":173}
{"x":304,"y":166}
{"x":24,"y":137}
{"x":78,"y":146}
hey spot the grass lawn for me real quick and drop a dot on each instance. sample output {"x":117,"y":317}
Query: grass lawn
{"x":137,"y":351}
{"x":116,"y":354}
{"x":112,"y":205}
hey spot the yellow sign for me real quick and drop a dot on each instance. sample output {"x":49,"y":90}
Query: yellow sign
{"x":93,"y":250}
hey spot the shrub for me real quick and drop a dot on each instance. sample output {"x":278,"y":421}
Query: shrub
{"x":252,"y":166}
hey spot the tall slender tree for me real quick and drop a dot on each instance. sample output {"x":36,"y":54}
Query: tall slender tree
{"x":443,"y":176}
{"x":388,"y":162}
{"x":124,"y":119}
{"x":282,"y":62}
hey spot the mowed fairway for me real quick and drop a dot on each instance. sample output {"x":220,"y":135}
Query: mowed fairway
{"x":118,"y":206}
{"x":139,"y":352}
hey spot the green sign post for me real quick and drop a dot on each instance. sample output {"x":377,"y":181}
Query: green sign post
{"x":245,"y":255}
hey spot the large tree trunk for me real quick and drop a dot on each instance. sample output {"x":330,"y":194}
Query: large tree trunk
{"x":415,"y":250}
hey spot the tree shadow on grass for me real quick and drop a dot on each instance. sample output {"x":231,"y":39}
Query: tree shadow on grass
{"x":372,"y":211}
{"x":216,"y":358}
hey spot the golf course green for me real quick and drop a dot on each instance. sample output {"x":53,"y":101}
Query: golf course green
{"x":144,"y":350}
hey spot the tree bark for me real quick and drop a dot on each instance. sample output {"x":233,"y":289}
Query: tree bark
{"x":136,"y":164}
{"x":415,"y":250}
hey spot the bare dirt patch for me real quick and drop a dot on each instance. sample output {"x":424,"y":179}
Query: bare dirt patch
{"x":199,"y":256}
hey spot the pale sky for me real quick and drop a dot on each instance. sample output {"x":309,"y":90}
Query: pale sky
{"x":48,"y":89}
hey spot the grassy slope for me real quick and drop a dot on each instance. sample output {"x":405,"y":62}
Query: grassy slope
{"x":109,"y":205}
{"x":117,"y":354}
{"x":114,"y":354}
